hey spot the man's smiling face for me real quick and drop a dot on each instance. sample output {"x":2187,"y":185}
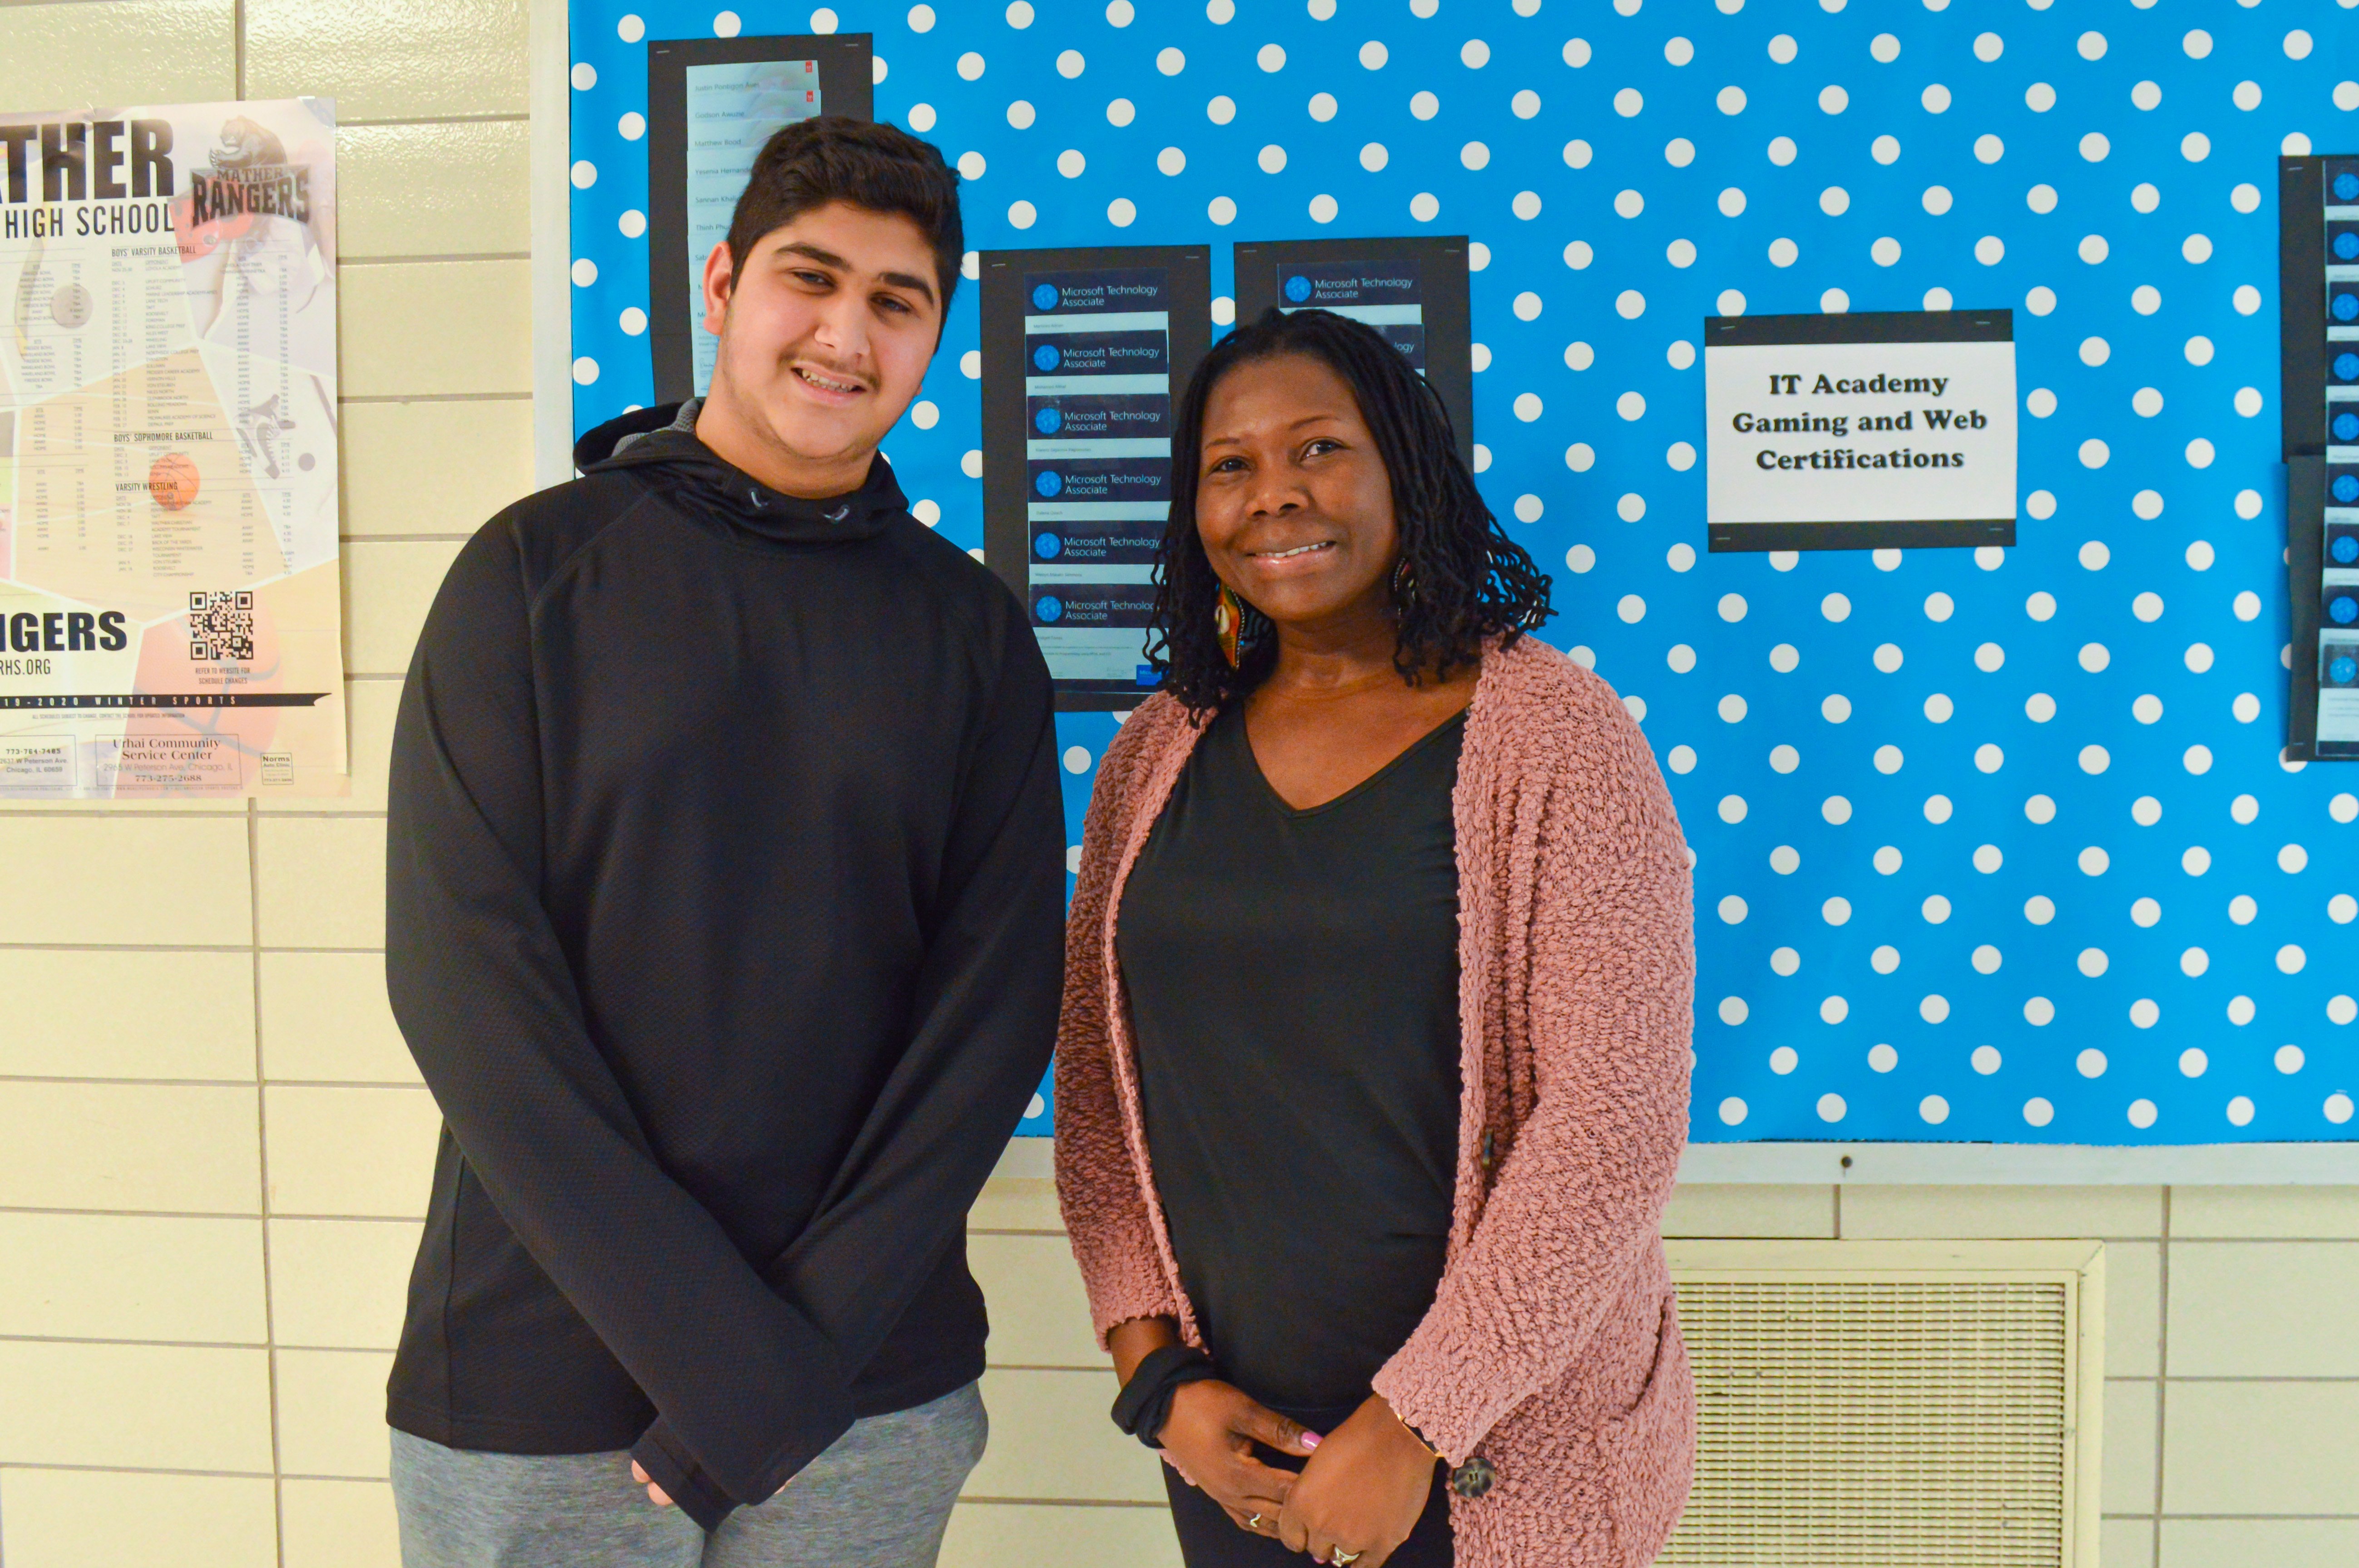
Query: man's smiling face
{"x":826,"y":330}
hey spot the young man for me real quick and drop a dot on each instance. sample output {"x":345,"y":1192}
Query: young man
{"x":725,"y":895}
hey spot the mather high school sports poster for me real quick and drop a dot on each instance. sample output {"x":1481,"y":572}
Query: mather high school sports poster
{"x":169,"y":619}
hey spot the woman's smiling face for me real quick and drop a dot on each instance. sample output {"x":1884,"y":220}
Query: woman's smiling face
{"x":1293,"y":502}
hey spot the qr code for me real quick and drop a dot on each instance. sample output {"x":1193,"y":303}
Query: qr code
{"x":221,"y":626}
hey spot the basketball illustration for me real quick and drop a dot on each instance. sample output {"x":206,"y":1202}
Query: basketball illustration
{"x":173,"y":481}
{"x":69,"y":306}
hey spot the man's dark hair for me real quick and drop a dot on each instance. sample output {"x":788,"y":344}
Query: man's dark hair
{"x":1465,"y":580}
{"x":864,"y":163}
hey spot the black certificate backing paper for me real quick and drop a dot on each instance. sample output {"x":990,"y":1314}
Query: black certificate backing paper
{"x":2318,"y":261}
{"x":844,"y":85}
{"x":1412,"y":288}
{"x":1086,"y":353}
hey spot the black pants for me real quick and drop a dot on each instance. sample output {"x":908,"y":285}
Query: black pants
{"x":1209,"y":1539}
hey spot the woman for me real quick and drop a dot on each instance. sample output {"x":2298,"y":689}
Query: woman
{"x":1371,"y":1079}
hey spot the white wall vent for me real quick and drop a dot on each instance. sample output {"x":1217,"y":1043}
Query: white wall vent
{"x":1871,"y":1404}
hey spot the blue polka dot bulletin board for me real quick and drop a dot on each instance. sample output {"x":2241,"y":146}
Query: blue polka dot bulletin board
{"x":1992,"y":846}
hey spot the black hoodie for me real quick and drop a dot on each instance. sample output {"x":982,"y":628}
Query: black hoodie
{"x":724,"y":888}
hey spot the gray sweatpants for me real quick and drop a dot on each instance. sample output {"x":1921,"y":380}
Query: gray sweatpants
{"x":879,"y":1498}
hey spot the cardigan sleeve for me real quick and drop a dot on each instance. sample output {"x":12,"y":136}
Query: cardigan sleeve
{"x":1579,"y":1197}
{"x":1098,"y":1183}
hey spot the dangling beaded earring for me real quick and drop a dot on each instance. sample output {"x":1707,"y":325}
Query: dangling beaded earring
{"x":1228,"y":621}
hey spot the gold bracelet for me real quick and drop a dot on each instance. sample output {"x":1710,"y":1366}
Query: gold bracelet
{"x":1413,"y":1431}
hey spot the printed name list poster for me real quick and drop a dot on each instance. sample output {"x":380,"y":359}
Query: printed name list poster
{"x":167,"y":453}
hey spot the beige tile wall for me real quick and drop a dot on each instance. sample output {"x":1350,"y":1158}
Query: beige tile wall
{"x":208,"y":1207}
{"x":206,"y":1218}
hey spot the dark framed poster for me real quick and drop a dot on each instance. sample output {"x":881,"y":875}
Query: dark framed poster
{"x":1085,"y":352}
{"x":2323,"y":564}
{"x":2318,"y":290}
{"x":1412,"y":288}
{"x":711,"y":103}
{"x":1886,"y":429}
{"x":2309,"y":207}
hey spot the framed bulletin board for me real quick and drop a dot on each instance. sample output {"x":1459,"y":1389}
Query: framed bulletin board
{"x":1997,"y":845}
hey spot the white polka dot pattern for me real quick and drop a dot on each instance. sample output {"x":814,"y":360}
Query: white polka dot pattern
{"x":2021,"y":788}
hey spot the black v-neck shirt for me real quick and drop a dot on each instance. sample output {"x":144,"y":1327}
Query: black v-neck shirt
{"x":1293,"y":983}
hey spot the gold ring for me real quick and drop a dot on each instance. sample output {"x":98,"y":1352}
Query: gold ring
{"x":1341,"y":1558}
{"x":1253,"y":1523}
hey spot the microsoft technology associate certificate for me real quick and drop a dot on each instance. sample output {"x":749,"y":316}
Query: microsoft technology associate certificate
{"x":1387,"y":293}
{"x":733,"y":109}
{"x":2337,"y":733}
{"x":1097,"y":467}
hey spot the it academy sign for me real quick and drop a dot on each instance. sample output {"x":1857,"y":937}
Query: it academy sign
{"x":1820,"y":428}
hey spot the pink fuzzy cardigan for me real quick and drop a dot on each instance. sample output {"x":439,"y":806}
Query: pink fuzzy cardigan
{"x":1552,"y":1349}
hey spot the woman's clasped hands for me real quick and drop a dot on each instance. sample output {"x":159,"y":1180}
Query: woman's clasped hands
{"x":1208,"y":1438}
{"x":1362,"y":1492}
{"x":1356,"y":1500}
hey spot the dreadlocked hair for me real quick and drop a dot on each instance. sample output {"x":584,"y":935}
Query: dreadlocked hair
{"x":1464,"y":581}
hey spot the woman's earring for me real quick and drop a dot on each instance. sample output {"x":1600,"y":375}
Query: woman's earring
{"x":1228,"y":621}
{"x":1404,"y":584}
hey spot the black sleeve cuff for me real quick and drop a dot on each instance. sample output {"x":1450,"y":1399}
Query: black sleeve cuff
{"x":684,"y":1480}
